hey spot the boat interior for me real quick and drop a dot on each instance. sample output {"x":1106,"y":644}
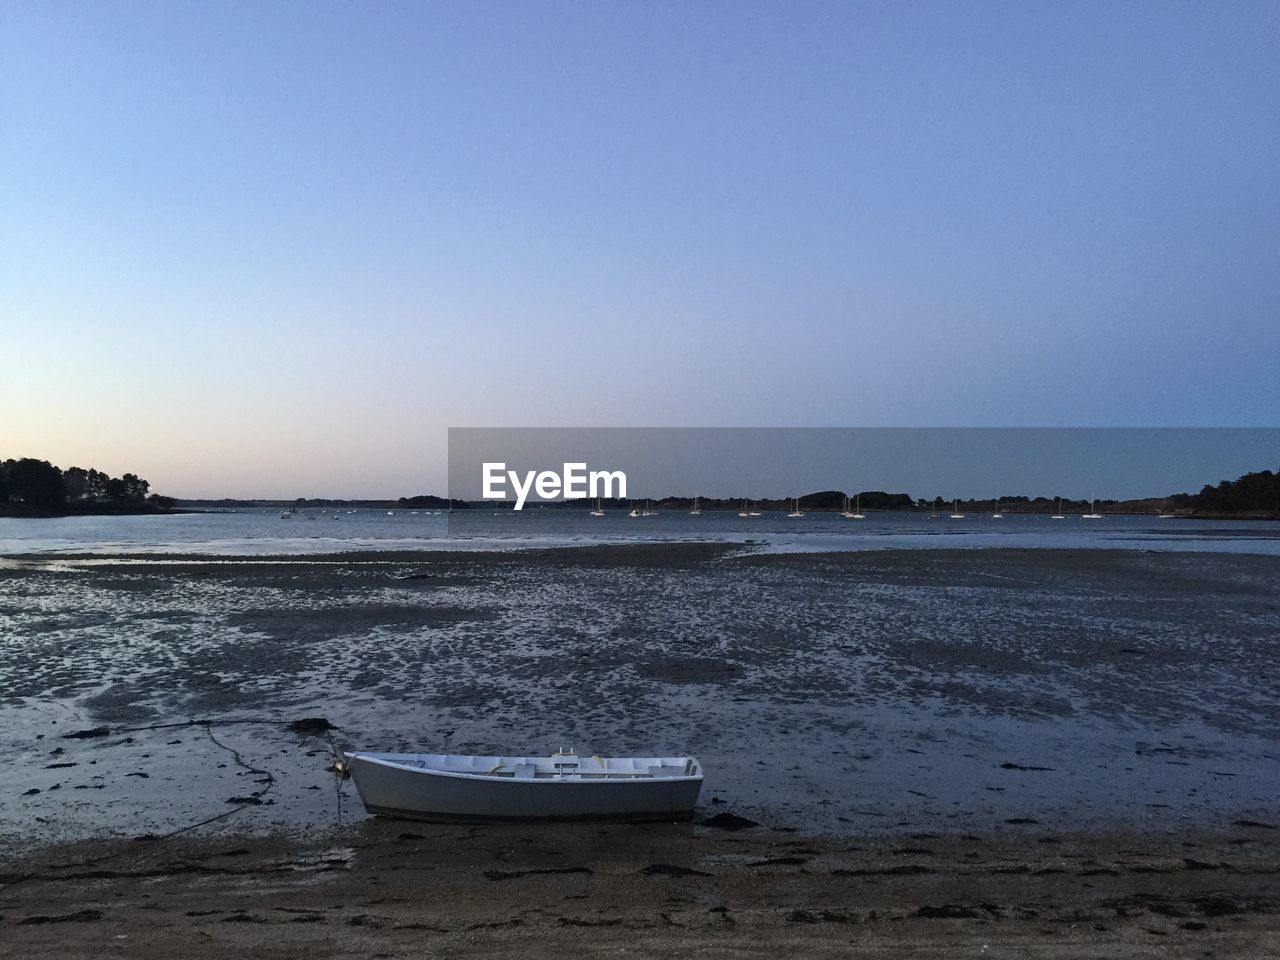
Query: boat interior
{"x":557,"y":766}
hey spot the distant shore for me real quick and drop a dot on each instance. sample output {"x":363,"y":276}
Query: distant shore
{"x":32,"y":512}
{"x":29,"y":511}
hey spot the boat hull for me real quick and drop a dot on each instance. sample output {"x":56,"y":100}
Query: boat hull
{"x":389,"y":790}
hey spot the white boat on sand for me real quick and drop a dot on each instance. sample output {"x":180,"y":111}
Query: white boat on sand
{"x":564,"y":786}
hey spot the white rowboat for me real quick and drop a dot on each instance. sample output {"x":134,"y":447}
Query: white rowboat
{"x":564,"y":786}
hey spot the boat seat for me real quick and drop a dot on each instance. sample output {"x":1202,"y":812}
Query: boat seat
{"x":526,"y":771}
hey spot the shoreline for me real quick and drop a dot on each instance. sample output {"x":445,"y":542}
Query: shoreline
{"x":396,"y":889}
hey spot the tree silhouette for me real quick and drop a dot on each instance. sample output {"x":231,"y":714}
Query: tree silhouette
{"x":35,"y":481}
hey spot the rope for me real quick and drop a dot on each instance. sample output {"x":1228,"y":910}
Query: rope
{"x":156,"y":838}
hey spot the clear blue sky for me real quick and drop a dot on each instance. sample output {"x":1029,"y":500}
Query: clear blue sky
{"x":277,"y":248}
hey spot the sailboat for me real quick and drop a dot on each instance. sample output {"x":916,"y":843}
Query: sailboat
{"x":743,"y":511}
{"x":997,"y":515}
{"x":933,"y":512}
{"x":697,"y":507}
{"x":634,"y":511}
{"x":648,"y":509}
{"x":795,"y":509}
{"x":955,"y":510}
{"x":754,"y":512}
{"x":1093,"y":513}
{"x":855,"y":514}
{"x":1059,"y":515}
{"x":599,"y":510}
{"x":1162,"y":515}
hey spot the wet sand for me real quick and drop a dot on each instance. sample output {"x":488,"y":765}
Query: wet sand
{"x":410,"y":890}
{"x":1050,"y":753}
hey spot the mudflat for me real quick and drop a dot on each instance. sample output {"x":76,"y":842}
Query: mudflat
{"x":1039,"y":752}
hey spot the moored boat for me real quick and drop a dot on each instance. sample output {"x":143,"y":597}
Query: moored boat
{"x":564,"y":786}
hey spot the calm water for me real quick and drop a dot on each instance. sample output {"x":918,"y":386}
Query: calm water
{"x":265,"y":532}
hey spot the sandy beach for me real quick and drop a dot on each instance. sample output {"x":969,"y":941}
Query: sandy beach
{"x":411,"y":890}
{"x":1003,"y":752}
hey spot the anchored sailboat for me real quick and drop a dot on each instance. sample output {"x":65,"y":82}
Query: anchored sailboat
{"x":955,"y":510}
{"x":1059,"y":515}
{"x":795,"y":509}
{"x":697,"y":507}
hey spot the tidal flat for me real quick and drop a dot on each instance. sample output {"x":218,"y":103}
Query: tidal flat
{"x":993,"y":703}
{"x":832,"y":693}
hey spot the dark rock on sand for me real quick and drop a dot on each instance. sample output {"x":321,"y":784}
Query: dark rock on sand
{"x":1218,"y":907}
{"x":80,"y":916}
{"x":90,"y":734}
{"x":948,"y":911}
{"x":671,"y":870}
{"x":513,"y":874}
{"x":311,"y":726}
{"x":825,"y":916}
{"x":902,"y":870}
{"x":728,"y":821}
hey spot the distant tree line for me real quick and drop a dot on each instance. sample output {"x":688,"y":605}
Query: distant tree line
{"x":432,"y":502}
{"x":39,"y":484}
{"x":1254,"y":493}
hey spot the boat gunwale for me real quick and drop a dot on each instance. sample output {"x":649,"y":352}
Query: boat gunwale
{"x":602,"y":777}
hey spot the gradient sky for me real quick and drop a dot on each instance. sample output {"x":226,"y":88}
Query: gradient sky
{"x":946,"y":462}
{"x":276,"y":249}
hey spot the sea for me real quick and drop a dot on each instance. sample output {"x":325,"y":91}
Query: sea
{"x":257,"y":531}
